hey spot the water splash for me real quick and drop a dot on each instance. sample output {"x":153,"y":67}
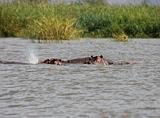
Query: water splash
{"x":32,"y":57}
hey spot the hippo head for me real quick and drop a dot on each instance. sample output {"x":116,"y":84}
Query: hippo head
{"x":98,"y":59}
{"x":55,"y":61}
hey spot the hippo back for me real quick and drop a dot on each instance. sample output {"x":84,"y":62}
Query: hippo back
{"x":84,"y":60}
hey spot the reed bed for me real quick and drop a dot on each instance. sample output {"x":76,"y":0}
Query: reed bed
{"x":62,"y":21}
{"x":51,"y":28}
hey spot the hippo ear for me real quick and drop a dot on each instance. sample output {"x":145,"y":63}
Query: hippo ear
{"x":101,"y":56}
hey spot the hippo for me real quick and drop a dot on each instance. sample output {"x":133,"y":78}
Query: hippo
{"x":86,"y":60}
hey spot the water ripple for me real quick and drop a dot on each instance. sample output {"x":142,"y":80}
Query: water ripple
{"x":81,"y":91}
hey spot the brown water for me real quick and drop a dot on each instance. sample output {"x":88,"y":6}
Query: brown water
{"x":80,"y":91}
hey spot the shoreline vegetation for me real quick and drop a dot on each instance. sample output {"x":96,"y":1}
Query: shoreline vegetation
{"x":44,"y":21}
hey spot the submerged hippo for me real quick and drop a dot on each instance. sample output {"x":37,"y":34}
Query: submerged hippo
{"x":86,"y":60}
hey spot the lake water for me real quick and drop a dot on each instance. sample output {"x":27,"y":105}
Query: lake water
{"x":80,"y":91}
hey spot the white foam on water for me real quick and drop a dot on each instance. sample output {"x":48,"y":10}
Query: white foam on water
{"x":32,"y":57}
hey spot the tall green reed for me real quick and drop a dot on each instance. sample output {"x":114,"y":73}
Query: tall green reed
{"x":25,"y":20}
{"x":135,"y":21}
{"x":82,"y":20}
{"x":53,"y":29}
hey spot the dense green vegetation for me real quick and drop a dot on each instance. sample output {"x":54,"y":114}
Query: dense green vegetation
{"x":62,"y":21}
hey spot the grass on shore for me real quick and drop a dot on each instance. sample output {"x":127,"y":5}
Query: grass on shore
{"x":61,"y":21}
